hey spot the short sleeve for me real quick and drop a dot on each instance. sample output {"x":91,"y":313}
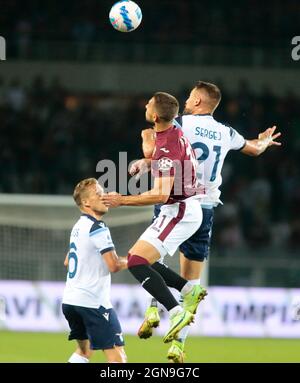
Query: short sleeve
{"x":237,"y":141}
{"x":168,"y":154}
{"x":101,"y":238}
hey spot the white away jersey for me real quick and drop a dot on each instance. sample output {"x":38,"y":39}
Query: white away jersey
{"x":88,"y":280}
{"x":211,"y":141}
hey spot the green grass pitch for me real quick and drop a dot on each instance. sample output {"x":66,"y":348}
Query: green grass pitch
{"x":48,"y":347}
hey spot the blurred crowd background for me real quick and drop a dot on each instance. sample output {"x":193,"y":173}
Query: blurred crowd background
{"x":254,"y":31}
{"x":253,"y":22}
{"x":51,"y":135}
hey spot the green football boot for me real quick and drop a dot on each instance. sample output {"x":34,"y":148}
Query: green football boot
{"x":193,"y":298}
{"x":176,"y":352}
{"x":178,"y":321}
{"x":151,"y":321}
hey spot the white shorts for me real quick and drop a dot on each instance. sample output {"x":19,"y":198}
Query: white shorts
{"x":175,"y":224}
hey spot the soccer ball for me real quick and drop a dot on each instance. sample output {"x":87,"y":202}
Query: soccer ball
{"x":125,"y":16}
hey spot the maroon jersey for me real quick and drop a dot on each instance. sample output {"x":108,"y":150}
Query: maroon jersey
{"x":174,"y":156}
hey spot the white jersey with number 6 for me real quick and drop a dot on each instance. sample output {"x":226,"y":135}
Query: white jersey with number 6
{"x":88,"y":280}
{"x":211,"y":141}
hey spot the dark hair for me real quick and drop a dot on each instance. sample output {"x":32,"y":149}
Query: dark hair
{"x":166,"y":106}
{"x":212,"y":91}
{"x":82,"y":189}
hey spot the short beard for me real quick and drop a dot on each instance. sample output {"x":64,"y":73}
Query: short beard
{"x":186,"y":111}
{"x":149,"y":120}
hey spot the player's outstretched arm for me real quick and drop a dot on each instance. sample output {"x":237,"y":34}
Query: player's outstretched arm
{"x":158,"y":194}
{"x":114,"y":263}
{"x":264,"y":140}
{"x":148,"y":145}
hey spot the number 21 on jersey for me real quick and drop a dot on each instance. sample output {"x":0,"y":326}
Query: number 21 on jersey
{"x":205,"y":154}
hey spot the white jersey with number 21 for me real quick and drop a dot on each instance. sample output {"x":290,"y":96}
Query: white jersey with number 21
{"x":211,"y":141}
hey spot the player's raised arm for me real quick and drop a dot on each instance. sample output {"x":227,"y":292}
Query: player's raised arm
{"x":264,"y":140}
{"x":114,"y":263}
{"x":148,"y":145}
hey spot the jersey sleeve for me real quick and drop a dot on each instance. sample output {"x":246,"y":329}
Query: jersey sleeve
{"x":101,"y":238}
{"x":237,"y":141}
{"x":168,"y":155}
{"x":165,"y":161}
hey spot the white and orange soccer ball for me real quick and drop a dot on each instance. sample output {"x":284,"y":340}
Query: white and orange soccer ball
{"x":125,"y":16}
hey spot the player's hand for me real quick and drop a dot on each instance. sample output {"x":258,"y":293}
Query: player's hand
{"x":139,"y":168}
{"x":148,"y":134}
{"x":268,"y":137}
{"x":112,"y":199}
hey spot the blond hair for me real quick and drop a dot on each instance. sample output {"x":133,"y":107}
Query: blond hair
{"x":81,"y":190}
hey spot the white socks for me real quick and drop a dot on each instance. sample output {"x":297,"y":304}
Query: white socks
{"x":76,"y":358}
{"x":175,"y":310}
{"x":186,"y":288}
{"x":184,"y":332}
{"x":189,"y":285}
{"x":195,"y":281}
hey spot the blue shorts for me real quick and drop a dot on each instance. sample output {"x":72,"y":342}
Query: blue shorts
{"x":101,"y":326}
{"x":197,"y":247}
